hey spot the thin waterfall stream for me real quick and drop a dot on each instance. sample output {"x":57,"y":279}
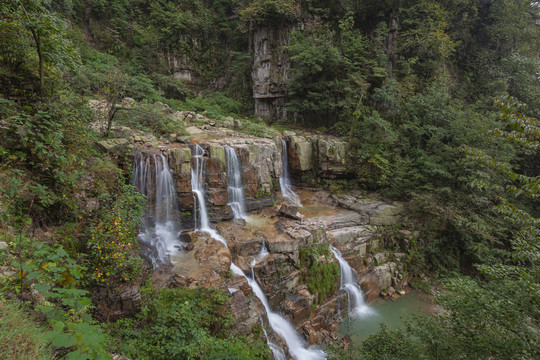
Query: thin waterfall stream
{"x":285,"y":179}
{"x":160,"y":232}
{"x":235,"y":189}
{"x":297,"y":346}
{"x":200,"y":213}
{"x":357,"y":305}
{"x":277,"y":351}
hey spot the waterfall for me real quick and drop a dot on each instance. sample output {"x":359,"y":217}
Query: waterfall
{"x":277,"y":351}
{"x":200,"y":213}
{"x":285,"y":180}
{"x":357,"y":305}
{"x":159,"y":232}
{"x":235,"y":189}
{"x":260,"y":256}
{"x":297,"y":345}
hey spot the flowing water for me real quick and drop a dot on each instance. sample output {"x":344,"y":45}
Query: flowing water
{"x":297,"y":345}
{"x":160,"y":236}
{"x":235,"y":189}
{"x":285,"y":179}
{"x":277,"y":351}
{"x":200,"y":213}
{"x":357,"y":305}
{"x":160,"y":232}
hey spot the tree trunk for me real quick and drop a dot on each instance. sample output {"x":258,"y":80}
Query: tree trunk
{"x":37,"y":40}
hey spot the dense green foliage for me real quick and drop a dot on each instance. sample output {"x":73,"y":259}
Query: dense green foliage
{"x":184,"y":324}
{"x":320,"y":272}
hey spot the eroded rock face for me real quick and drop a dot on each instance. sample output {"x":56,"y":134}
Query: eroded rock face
{"x":271,"y":68}
{"x":116,"y":304}
{"x":318,"y":155}
{"x":261,"y":169}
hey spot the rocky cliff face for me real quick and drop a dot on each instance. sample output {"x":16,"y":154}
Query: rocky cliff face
{"x":261,"y":169}
{"x":270,"y":71}
{"x":317,"y":156}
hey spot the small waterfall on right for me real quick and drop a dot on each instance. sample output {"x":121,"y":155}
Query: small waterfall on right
{"x":235,"y":189}
{"x":357,"y":305}
{"x":160,"y":231}
{"x":285,"y":180}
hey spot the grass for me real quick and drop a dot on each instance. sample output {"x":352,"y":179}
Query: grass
{"x":20,"y":336}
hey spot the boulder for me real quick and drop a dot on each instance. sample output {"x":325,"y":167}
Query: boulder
{"x":332,"y":156}
{"x":178,"y":157}
{"x":184,"y":139}
{"x":112,"y":145}
{"x":128,"y":102}
{"x":116,"y":304}
{"x":193,"y":130}
{"x":387,"y":215}
{"x":284,"y":244}
{"x":381,"y":258}
{"x":300,"y":152}
{"x":217,"y":152}
{"x":341,"y":219}
{"x":290,"y":211}
{"x":349,"y":234}
{"x":3,"y":245}
{"x":92,"y":205}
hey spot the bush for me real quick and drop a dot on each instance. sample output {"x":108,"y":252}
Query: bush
{"x":113,"y":247}
{"x":216,"y":105}
{"x":320,"y":275}
{"x":184,"y":324}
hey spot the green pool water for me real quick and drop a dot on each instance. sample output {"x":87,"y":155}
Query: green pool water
{"x":391,"y":312}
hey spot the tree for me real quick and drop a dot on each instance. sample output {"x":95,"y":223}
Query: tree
{"x":34,"y":19}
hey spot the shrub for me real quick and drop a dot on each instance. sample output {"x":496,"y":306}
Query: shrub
{"x":320,"y":272}
{"x":184,"y":324}
{"x":113,"y":248}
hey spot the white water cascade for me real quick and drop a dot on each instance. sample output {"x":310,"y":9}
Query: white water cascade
{"x":297,"y":345}
{"x":160,"y":232}
{"x":357,"y":305}
{"x":235,"y":189}
{"x":277,"y":351}
{"x":285,"y":180}
{"x":200,"y":213}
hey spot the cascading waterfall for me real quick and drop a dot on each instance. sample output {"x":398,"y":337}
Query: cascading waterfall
{"x":200,"y":213}
{"x":277,"y":351}
{"x":260,"y":256}
{"x":235,"y":189}
{"x":357,"y":305}
{"x":297,"y":345}
{"x":285,"y":180}
{"x":159,"y":232}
